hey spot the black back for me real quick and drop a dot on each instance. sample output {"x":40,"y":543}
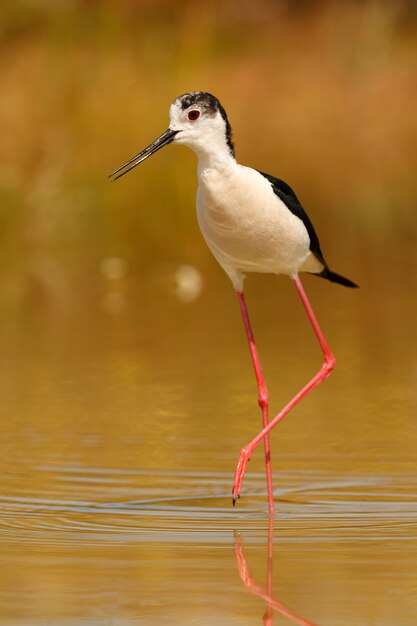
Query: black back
{"x":288,"y":197}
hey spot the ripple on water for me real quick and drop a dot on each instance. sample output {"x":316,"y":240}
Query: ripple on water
{"x":105,"y":505}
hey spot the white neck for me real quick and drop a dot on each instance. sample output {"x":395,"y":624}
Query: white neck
{"x":214,"y":158}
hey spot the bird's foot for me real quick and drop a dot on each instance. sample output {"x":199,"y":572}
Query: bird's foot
{"x":239,"y":473}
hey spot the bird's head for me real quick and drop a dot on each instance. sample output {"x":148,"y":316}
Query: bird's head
{"x":197,"y":120}
{"x":200,"y":122}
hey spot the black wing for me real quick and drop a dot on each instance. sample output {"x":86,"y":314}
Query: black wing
{"x":288,"y":197}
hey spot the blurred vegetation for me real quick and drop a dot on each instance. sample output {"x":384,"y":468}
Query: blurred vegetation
{"x":321,"y":94}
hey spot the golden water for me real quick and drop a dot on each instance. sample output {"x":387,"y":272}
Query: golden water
{"x":120,"y":432}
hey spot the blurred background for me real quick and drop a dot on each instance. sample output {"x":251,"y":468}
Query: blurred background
{"x":321,"y":94}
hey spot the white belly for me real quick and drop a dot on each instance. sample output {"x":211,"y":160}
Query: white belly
{"x":247,"y":227}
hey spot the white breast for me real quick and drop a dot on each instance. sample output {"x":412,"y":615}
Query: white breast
{"x":246,"y":226}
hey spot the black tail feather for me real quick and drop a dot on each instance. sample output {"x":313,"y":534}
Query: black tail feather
{"x":336,"y":278}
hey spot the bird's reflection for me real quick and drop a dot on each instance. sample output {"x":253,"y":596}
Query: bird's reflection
{"x":272,"y":604}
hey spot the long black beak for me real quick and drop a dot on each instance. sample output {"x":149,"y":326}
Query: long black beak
{"x":156,"y":145}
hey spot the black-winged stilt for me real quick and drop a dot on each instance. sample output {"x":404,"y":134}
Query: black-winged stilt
{"x":252,"y":222}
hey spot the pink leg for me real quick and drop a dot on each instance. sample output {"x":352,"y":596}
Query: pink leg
{"x":324,"y":372}
{"x":263,"y":396}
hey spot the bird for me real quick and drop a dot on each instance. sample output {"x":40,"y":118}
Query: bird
{"x":253,"y":223}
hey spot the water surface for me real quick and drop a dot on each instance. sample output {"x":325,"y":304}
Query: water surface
{"x":120,"y":433}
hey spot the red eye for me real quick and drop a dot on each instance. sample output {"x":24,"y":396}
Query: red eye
{"x":193,"y":115}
